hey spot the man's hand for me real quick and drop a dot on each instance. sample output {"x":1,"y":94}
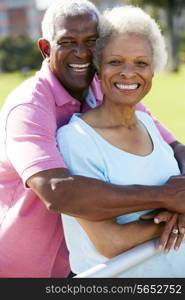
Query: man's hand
{"x":173,"y":221}
{"x":174,"y":193}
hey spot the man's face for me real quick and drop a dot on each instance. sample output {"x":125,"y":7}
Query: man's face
{"x":71,"y":52}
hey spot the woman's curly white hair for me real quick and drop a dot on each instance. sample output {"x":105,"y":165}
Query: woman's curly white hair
{"x":131,"y":19}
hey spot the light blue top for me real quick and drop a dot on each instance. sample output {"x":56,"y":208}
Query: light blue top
{"x":88,"y":154}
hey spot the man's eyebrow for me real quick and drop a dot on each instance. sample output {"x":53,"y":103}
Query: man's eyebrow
{"x":71,"y":36}
{"x":67,"y":37}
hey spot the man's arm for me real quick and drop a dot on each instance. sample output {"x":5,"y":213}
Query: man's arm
{"x":94,"y":199}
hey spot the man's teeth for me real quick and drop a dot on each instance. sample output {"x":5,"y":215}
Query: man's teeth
{"x":79,"y":67}
{"x":127,"y":86}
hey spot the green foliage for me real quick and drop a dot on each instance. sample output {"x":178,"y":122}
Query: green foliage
{"x":173,"y":28}
{"x":182,"y":48}
{"x":17,"y":53}
{"x":159,"y":3}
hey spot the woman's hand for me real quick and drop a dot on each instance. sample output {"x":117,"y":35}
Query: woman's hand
{"x":173,"y":221}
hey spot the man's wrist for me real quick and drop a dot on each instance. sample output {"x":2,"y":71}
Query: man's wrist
{"x":160,"y":196}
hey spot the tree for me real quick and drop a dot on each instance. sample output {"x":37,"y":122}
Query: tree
{"x":173,"y":10}
{"x":18,"y":53}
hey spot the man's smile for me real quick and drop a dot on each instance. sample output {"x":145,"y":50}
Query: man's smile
{"x":79,"y":67}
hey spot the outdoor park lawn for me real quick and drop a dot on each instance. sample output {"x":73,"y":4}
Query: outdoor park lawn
{"x":166,"y":99}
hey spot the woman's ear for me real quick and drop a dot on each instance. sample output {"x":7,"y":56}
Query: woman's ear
{"x":44,"y":47}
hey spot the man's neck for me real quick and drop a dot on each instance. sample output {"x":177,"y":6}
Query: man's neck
{"x":79,"y":95}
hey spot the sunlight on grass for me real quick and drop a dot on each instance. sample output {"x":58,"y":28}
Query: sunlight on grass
{"x":166,"y":100}
{"x":9,"y":81}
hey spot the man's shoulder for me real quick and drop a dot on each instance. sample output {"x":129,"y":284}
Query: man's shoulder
{"x":31,"y":91}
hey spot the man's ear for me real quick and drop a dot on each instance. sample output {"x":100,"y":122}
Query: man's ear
{"x":44,"y":47}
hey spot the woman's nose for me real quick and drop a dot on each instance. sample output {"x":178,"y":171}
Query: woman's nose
{"x":127,"y":70}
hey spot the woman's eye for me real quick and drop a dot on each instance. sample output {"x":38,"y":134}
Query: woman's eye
{"x":142,"y":63}
{"x":114,"y":62}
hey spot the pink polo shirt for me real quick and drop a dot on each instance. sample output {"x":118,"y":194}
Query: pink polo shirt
{"x":31,"y":237}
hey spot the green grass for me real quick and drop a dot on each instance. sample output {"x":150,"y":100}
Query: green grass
{"x":9,"y":81}
{"x":166,"y":100}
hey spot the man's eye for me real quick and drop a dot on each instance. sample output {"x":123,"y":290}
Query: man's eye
{"x":91,"y":42}
{"x":65,"y":43}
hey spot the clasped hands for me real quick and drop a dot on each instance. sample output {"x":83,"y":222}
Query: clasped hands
{"x":174,"y":228}
{"x":174,"y":223}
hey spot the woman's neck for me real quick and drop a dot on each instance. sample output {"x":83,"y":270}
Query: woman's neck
{"x":115,"y":115}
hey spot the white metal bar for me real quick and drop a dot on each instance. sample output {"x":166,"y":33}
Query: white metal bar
{"x":121,"y":263}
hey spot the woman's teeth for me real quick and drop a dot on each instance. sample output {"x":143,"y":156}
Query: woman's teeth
{"x":127,"y":86}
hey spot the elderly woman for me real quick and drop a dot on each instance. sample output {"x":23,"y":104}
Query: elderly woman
{"x":117,"y":144}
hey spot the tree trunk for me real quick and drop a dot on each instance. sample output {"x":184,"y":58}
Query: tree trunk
{"x":174,"y":21}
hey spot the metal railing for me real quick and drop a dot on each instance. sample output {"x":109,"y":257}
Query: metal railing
{"x":123,"y":262}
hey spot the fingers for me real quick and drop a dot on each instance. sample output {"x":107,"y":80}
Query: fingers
{"x":181,"y":223}
{"x":163,"y":216}
{"x":173,"y":237}
{"x":178,"y":242}
{"x":148,"y":216}
{"x":151,"y":215}
{"x":181,"y":228}
{"x":167,"y":238}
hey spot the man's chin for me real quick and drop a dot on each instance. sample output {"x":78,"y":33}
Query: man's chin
{"x":80,"y":83}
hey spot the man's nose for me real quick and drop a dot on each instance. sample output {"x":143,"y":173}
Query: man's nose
{"x":82,"y":51}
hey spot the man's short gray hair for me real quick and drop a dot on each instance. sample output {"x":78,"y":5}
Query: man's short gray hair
{"x":131,"y":19}
{"x":65,"y":8}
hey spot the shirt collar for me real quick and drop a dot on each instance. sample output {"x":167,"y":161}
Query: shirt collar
{"x":60,"y":94}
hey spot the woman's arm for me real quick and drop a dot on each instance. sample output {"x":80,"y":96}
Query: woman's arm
{"x":111,"y":239}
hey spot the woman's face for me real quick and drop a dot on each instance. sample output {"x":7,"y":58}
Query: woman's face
{"x":126,"y":69}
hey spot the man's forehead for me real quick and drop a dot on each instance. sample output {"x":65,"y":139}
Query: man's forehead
{"x":79,"y":24}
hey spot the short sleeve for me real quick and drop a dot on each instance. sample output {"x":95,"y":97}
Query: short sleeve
{"x":31,"y":140}
{"x":80,"y":152}
{"x":165,"y":133}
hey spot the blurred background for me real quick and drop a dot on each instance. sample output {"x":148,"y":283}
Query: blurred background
{"x":20,"y":28}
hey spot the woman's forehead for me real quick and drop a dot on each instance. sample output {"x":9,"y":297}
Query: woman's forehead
{"x":120,"y":43}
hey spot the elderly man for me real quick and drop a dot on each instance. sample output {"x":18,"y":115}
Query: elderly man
{"x":35,"y":185}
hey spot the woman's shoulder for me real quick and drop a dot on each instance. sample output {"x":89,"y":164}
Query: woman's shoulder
{"x":71,"y":128}
{"x":90,"y":117}
{"x":144,"y":116}
{"x":78,"y":131}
